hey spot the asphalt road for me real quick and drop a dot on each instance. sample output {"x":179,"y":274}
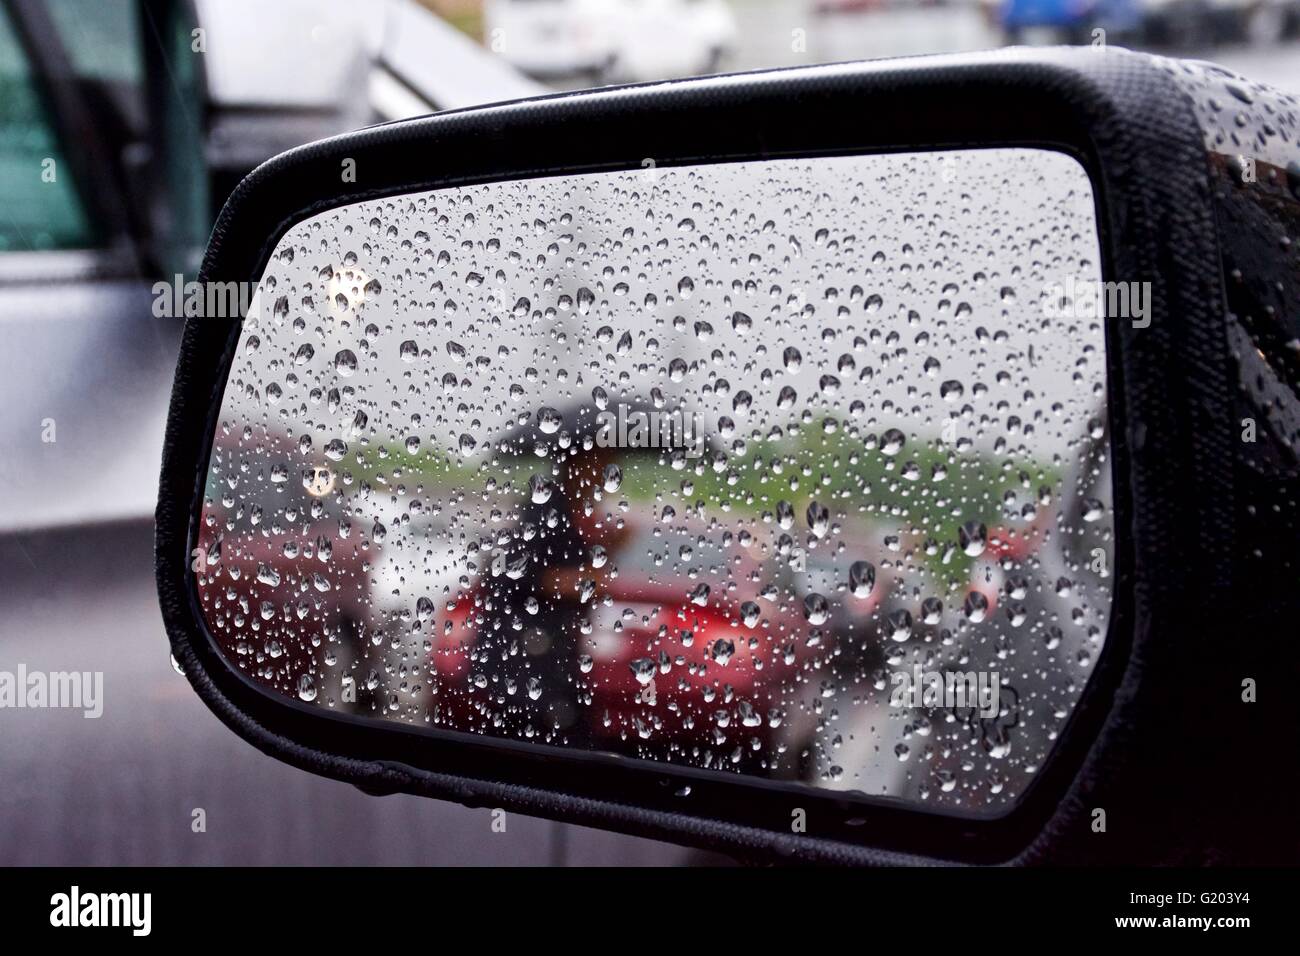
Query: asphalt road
{"x":122,"y":789}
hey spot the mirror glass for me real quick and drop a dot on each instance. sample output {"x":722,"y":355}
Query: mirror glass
{"x":794,"y":469}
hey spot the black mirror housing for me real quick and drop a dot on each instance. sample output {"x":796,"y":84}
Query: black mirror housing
{"x":1197,"y":178}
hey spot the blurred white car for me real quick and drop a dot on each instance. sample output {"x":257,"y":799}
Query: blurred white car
{"x":610,"y":40}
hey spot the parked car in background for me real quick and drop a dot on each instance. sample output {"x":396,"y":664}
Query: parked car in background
{"x":610,"y":40}
{"x":1177,"y":24}
{"x":1195,"y":24}
{"x":1070,"y":21}
{"x":1255,"y":21}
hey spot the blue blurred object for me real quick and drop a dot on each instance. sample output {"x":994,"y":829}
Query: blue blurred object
{"x":1073,"y":19}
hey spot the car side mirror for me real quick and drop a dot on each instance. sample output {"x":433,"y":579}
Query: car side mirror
{"x":840,"y":464}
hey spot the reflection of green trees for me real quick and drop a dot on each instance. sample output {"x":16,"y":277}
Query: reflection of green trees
{"x":382,"y":467}
{"x":441,"y":472}
{"x":860,"y":485}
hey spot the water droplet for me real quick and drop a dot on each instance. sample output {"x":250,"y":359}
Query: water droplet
{"x":643,"y":668}
{"x":816,"y":608}
{"x":862,"y":578}
{"x":540,"y":489}
{"x":973,"y":538}
{"x":345,"y":362}
{"x":819,"y":518}
{"x":931,"y":610}
{"x":549,"y":420}
{"x":613,"y":477}
{"x":975,"y":607}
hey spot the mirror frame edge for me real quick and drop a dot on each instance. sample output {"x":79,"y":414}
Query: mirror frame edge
{"x":757,"y":116}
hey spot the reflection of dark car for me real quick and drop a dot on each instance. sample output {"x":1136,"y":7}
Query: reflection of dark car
{"x":1021,"y":579}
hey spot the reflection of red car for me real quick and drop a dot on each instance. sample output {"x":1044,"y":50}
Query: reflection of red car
{"x":281,"y":591}
{"x":449,"y":658}
{"x":656,"y":666}
{"x":636,"y":672}
{"x":279,"y":622}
